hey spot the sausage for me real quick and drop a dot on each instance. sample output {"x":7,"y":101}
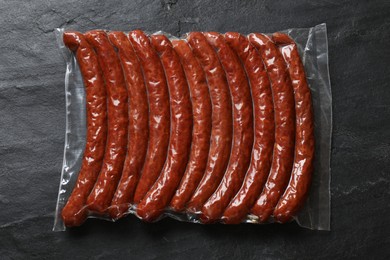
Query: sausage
{"x":221,"y":132}
{"x":299,"y":185}
{"x":100,"y":198}
{"x":159,"y":114}
{"x":159,"y":196}
{"x":138,"y":128}
{"x":283,"y":151}
{"x":242,"y":130}
{"x":74,"y":213}
{"x":201,"y":131}
{"x":264,"y":127}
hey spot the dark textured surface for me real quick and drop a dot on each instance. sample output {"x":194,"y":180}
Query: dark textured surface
{"x":32,"y":123}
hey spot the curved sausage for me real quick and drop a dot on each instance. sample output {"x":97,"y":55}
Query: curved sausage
{"x":201,"y":131}
{"x":100,"y":197}
{"x":74,"y":213}
{"x":221,"y":132}
{"x":264,"y":126}
{"x":283,"y":153}
{"x":138,"y":128}
{"x":299,"y":185}
{"x":159,"y":114}
{"x":159,"y":196}
{"x":242,"y":130}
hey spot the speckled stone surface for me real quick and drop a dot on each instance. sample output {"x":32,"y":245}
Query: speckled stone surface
{"x":32,"y":124}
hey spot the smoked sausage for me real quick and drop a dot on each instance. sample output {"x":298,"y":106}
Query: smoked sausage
{"x":75,"y":212}
{"x":201,"y":131}
{"x":138,"y":128}
{"x":159,"y":196}
{"x":221,"y":132}
{"x":159,"y":114}
{"x":242,"y":130}
{"x":283,"y":152}
{"x":264,"y":127}
{"x":100,"y":198}
{"x":298,"y":187}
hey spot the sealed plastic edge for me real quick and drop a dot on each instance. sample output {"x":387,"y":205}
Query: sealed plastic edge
{"x":58,"y":223}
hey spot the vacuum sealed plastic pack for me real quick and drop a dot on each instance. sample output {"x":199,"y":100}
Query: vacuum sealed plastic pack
{"x":207,"y":128}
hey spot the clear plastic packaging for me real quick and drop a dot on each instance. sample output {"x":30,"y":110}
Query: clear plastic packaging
{"x":313,"y":50}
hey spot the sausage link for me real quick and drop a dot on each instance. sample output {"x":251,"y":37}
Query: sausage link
{"x":201,"y":109}
{"x":137,"y":128}
{"x":299,"y":185}
{"x":159,"y":196}
{"x":159,"y":114}
{"x":100,"y":198}
{"x":264,"y":126}
{"x":74,"y":213}
{"x":283,"y":153}
{"x":221,"y":132}
{"x":242,"y":130}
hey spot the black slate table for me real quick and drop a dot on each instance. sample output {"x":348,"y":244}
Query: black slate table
{"x":32,"y":124}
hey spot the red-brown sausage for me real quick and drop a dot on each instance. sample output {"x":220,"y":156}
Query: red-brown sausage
{"x":242,"y":130}
{"x":298,"y":187}
{"x":159,"y":114}
{"x":100,"y":198}
{"x":221,"y":133}
{"x":74,"y":213}
{"x":264,"y":126}
{"x":159,"y":196}
{"x":201,"y":109}
{"x":138,"y":125}
{"x":283,"y":153}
